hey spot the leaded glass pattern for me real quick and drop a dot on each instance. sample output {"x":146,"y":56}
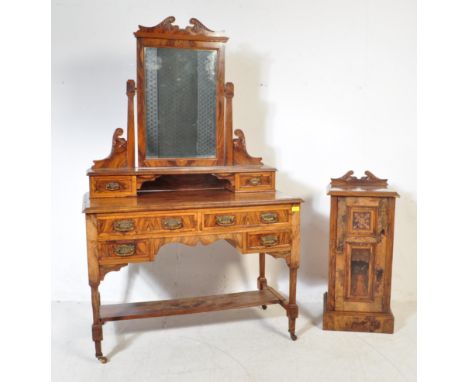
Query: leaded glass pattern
{"x":180,"y":95}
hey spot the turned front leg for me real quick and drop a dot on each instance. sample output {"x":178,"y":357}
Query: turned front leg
{"x":94,"y":278}
{"x":292,"y":308}
{"x":97,"y":324}
{"x":293,"y":263}
{"x":261,"y":280}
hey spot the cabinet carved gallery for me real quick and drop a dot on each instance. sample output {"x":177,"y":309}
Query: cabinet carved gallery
{"x":183,"y":175}
{"x":360,"y":255}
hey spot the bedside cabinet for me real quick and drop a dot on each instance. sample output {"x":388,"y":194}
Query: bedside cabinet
{"x":360,"y":255}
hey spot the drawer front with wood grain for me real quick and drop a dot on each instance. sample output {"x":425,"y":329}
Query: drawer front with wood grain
{"x":145,"y":224}
{"x":267,"y":241}
{"x":124,"y":251}
{"x":112,"y":186}
{"x":225,"y":219}
{"x":252,"y":182}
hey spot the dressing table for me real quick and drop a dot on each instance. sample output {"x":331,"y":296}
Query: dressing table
{"x":194,"y":183}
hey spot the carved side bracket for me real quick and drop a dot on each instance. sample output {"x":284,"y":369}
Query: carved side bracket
{"x":241,"y":156}
{"x":118,"y":156}
{"x":104,"y":269}
{"x":167,"y":27}
{"x":226,"y":176}
{"x":145,"y":178}
{"x":349,"y":180}
{"x":281,"y":255}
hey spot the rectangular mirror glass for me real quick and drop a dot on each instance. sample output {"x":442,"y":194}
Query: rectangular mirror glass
{"x":180,"y":102}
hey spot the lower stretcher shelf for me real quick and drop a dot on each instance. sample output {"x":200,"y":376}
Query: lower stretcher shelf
{"x":201,"y":304}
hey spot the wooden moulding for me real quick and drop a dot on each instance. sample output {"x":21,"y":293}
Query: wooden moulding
{"x":370,"y":322}
{"x":201,"y":304}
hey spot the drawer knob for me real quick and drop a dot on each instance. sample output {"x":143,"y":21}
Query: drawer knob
{"x":224,"y":220}
{"x":269,"y":217}
{"x":269,"y":240}
{"x":172,"y":223}
{"x":125,"y":250}
{"x":255,"y":181}
{"x":124,"y":225}
{"x":113,"y":186}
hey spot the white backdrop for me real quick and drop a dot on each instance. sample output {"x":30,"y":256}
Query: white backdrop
{"x":322,"y":87}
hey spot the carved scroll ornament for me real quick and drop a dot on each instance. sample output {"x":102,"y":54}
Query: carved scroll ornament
{"x":118,"y":156}
{"x":170,"y":30}
{"x":349,"y":180}
{"x":241,"y":156}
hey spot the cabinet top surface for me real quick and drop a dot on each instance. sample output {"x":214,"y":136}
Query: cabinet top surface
{"x":176,"y":200}
{"x":362,"y":191}
{"x":180,"y":170}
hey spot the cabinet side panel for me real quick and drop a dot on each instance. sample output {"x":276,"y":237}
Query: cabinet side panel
{"x":389,"y":254}
{"x":331,"y":254}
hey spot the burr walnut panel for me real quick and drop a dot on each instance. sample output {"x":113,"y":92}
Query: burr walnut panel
{"x":225,"y":218}
{"x":124,"y":251}
{"x":189,"y":196}
{"x":139,"y":225}
{"x":252,"y":182}
{"x":112,"y":186}
{"x":360,"y":256}
{"x":268,"y":241}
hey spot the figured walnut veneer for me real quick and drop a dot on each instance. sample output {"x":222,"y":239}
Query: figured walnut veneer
{"x":360,"y":255}
{"x":121,"y":231}
{"x":131,"y":212}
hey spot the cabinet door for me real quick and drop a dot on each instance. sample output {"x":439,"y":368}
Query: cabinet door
{"x":361,"y":251}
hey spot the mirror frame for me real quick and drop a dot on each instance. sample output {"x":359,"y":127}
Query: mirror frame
{"x":195,"y":37}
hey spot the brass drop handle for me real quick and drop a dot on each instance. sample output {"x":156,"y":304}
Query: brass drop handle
{"x":124,"y":250}
{"x":269,"y":240}
{"x":269,"y":217}
{"x":224,"y":220}
{"x":124,"y":225}
{"x":172,"y":223}
{"x":113,"y":186}
{"x":255,"y":181}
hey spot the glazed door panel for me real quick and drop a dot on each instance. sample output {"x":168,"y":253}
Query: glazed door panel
{"x":361,"y":254}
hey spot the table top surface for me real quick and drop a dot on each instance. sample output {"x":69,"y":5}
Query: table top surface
{"x":177,"y":200}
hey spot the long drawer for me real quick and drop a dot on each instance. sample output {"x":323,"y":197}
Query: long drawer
{"x":225,"y":219}
{"x":130,"y":226}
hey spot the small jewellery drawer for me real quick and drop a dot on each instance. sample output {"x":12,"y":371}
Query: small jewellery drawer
{"x":252,"y":182}
{"x":239,"y":218}
{"x":268,"y":240}
{"x":123,"y":251}
{"x":112,"y":186}
{"x":135,"y":225}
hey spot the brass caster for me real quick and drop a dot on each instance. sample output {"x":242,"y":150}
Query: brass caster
{"x":293,"y":336}
{"x":102,"y":359}
{"x":264,"y":307}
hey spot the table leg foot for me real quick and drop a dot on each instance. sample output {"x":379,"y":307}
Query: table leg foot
{"x":264,"y":307}
{"x":102,"y":359}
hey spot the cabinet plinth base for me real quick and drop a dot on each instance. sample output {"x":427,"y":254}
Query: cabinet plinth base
{"x":372,"y":322}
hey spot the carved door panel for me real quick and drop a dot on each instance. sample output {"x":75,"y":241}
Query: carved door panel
{"x":361,"y":243}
